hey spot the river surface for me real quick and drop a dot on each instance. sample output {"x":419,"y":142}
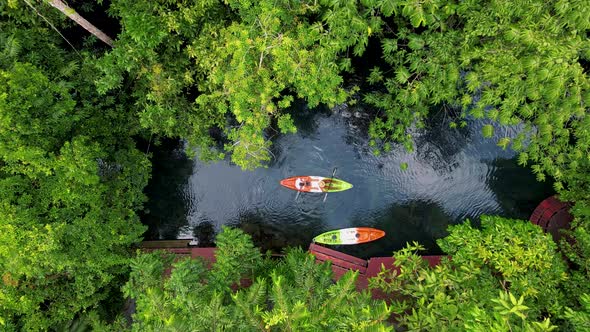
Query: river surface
{"x":452,"y":175}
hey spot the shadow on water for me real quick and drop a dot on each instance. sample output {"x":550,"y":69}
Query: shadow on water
{"x":204,"y":234}
{"x":453,"y":174}
{"x":516,"y":188}
{"x":440,"y":145}
{"x":418,"y":221}
{"x":304,"y":117}
{"x":166,"y":210}
{"x":277,"y":236}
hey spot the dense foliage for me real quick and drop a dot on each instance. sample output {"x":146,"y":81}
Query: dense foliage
{"x":510,"y":62}
{"x":70,"y":179}
{"x":237,"y":65}
{"x":220,"y":74}
{"x":293,"y":294}
{"x":234,"y":65}
{"x":506,"y":275}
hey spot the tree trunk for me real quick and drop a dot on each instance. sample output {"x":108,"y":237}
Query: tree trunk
{"x":69,"y":12}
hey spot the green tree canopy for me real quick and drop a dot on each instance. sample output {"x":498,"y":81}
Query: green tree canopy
{"x":516,"y":62}
{"x":70,"y":181}
{"x":505,"y":276}
{"x":71,"y":178}
{"x":237,"y":65}
{"x":295,"y":294}
{"x":234,"y":66}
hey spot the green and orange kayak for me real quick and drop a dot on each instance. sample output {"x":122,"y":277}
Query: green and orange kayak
{"x":353,"y":235}
{"x":315,"y":184}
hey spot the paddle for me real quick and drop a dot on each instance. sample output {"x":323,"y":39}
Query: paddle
{"x":330,"y":183}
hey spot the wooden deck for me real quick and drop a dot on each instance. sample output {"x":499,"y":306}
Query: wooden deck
{"x":181,"y":249}
{"x":342,"y":263}
{"x":551,"y":214}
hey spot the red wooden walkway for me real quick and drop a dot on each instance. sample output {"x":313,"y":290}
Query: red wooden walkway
{"x":180,"y":248}
{"x":551,"y":214}
{"x":342,"y":263}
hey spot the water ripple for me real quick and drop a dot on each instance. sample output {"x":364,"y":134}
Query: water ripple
{"x":451,"y":175}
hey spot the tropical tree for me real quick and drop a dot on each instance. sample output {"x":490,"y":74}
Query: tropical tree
{"x":575,"y":245}
{"x":74,"y":16}
{"x":505,"y":275}
{"x":580,"y":320}
{"x":522,"y":64}
{"x":295,"y":294}
{"x":235,"y":66}
{"x":511,"y":63}
{"x":70,"y":181}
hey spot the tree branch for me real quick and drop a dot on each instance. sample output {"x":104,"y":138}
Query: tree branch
{"x":71,"y":13}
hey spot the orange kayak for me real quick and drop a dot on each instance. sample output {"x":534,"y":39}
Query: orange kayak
{"x":315,"y":184}
{"x":353,"y":235}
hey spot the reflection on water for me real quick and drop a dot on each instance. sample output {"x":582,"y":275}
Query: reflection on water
{"x":453,"y":174}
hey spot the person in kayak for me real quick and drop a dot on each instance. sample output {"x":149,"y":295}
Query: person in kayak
{"x":302,"y":184}
{"x":316,"y":186}
{"x":299,"y":183}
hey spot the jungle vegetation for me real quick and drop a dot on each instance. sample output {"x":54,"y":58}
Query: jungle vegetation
{"x":220,"y":74}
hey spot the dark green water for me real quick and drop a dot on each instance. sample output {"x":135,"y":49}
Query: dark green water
{"x":453,"y":174}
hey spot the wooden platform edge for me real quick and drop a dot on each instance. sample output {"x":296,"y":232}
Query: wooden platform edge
{"x":163,"y":244}
{"x":337,"y":255}
{"x":552,"y":215}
